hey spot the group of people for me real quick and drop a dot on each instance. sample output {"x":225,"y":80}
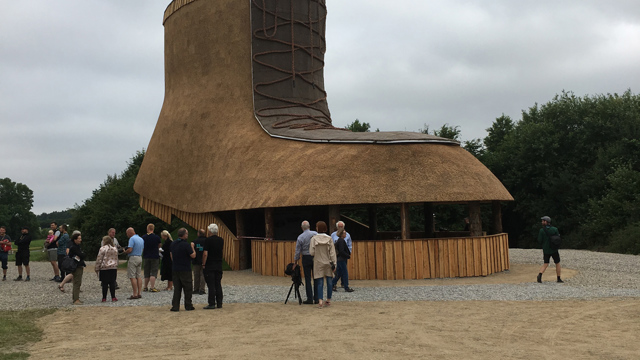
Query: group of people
{"x":324,"y":257}
{"x":174,"y":259}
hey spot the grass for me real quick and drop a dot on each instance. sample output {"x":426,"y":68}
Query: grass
{"x":17,"y":329}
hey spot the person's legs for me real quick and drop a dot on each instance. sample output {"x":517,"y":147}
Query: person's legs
{"x":320,"y":289}
{"x":105,"y":285}
{"x":202,"y":282}
{"x":544,"y":266}
{"x":188,"y":290}
{"x":218,"y":288}
{"x":4,"y":258}
{"x":147,"y":271}
{"x":153,"y":273}
{"x":77,"y":282}
{"x":139,"y":280}
{"x":66,"y":279}
{"x":19,"y":270}
{"x":177,"y":290}
{"x":63,"y":274}
{"x":196,"y":278}
{"x":209,"y":277}
{"x":306,"y":268}
{"x":329,"y":290}
{"x":338,"y":275}
{"x":345,"y":273}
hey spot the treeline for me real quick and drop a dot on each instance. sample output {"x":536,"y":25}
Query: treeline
{"x":575,"y":159}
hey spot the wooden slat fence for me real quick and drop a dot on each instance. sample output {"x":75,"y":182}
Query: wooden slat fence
{"x":231,"y":251}
{"x":401,"y":259}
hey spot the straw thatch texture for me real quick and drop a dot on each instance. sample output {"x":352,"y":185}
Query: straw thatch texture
{"x":208,"y":153}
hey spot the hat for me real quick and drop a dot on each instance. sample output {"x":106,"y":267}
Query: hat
{"x":546,"y":218}
{"x":24,"y":228}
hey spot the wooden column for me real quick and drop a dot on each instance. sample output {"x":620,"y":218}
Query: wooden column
{"x":405,"y":228}
{"x":334,"y":217}
{"x":269,"y":223}
{"x":475,"y":222}
{"x":496,"y":211}
{"x":373,"y":222}
{"x":429,"y":225}
{"x":243,"y":244}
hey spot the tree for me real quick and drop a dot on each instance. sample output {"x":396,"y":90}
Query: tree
{"x":16,"y":202}
{"x":573,"y":159}
{"x":446,"y":131}
{"x":475,"y":147}
{"x":358,"y":126}
{"x":114,"y":204}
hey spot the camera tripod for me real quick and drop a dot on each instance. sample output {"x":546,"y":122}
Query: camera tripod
{"x":296,"y":294}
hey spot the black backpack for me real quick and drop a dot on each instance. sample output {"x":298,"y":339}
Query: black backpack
{"x":555,"y":241}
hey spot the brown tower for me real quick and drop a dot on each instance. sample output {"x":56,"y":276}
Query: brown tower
{"x":245,"y":124}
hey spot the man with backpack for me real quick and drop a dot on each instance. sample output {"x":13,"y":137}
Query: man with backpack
{"x":549,"y":239}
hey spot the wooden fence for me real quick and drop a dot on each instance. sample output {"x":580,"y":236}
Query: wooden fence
{"x":231,"y":251}
{"x":400,"y":259}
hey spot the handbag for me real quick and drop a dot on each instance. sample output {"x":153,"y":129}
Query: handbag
{"x":6,"y":247}
{"x":69,"y":265}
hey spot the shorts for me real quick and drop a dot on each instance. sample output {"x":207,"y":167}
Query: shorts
{"x":555,"y":256}
{"x":151,"y":268}
{"x":22,"y":258}
{"x":4,"y":257}
{"x":134,"y":267}
{"x":52,"y":254}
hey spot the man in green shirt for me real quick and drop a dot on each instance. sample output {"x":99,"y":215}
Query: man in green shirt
{"x":544,"y":239}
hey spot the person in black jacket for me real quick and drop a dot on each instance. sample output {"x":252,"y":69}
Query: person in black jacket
{"x":198,"y":274}
{"x":343,"y":254}
{"x":212,"y":267}
{"x":76,"y":253}
{"x":23,"y":254}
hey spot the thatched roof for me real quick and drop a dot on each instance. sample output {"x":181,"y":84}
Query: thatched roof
{"x":208,"y":153}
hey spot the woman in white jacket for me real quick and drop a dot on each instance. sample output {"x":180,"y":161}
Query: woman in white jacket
{"x":107,"y":267}
{"x":324,"y":261}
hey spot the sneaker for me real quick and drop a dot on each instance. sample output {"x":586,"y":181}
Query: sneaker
{"x":208,"y":307}
{"x":154,"y":290}
{"x":57,"y":278}
{"x":349,"y":290}
{"x":309,"y":302}
{"x":104,"y":300}
{"x":190,"y":308}
{"x":335,"y":288}
{"x":4,"y":278}
{"x":539,"y":278}
{"x":145,"y":289}
{"x":28,"y":278}
{"x":172,"y":309}
{"x":19,"y":278}
{"x":114,"y":299}
{"x":53,"y":278}
{"x":560,"y":280}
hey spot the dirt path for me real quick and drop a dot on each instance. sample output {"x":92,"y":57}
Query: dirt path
{"x":595,"y":329}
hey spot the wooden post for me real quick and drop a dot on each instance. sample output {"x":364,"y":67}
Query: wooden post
{"x":269,"y":224}
{"x":475,"y":222}
{"x":243,"y":244}
{"x":496,"y":210}
{"x":334,"y":217}
{"x":405,"y":228}
{"x":429,"y":225}
{"x":373,"y":222}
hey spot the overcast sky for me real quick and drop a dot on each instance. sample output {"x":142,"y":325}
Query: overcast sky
{"x":82,"y":82}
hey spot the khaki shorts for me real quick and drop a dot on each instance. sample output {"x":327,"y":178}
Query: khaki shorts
{"x":151,"y":268}
{"x":134,"y":267}
{"x":52,"y":254}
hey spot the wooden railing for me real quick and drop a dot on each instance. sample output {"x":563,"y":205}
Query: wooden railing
{"x":231,"y":249}
{"x":401,"y":259}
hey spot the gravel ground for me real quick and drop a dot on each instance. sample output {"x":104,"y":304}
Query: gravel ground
{"x":600,"y":275}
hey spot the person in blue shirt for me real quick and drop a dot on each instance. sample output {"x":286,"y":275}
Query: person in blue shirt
{"x":302,"y":248}
{"x":134,"y":264}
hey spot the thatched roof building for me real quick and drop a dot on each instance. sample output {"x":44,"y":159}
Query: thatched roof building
{"x":245,"y":123}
